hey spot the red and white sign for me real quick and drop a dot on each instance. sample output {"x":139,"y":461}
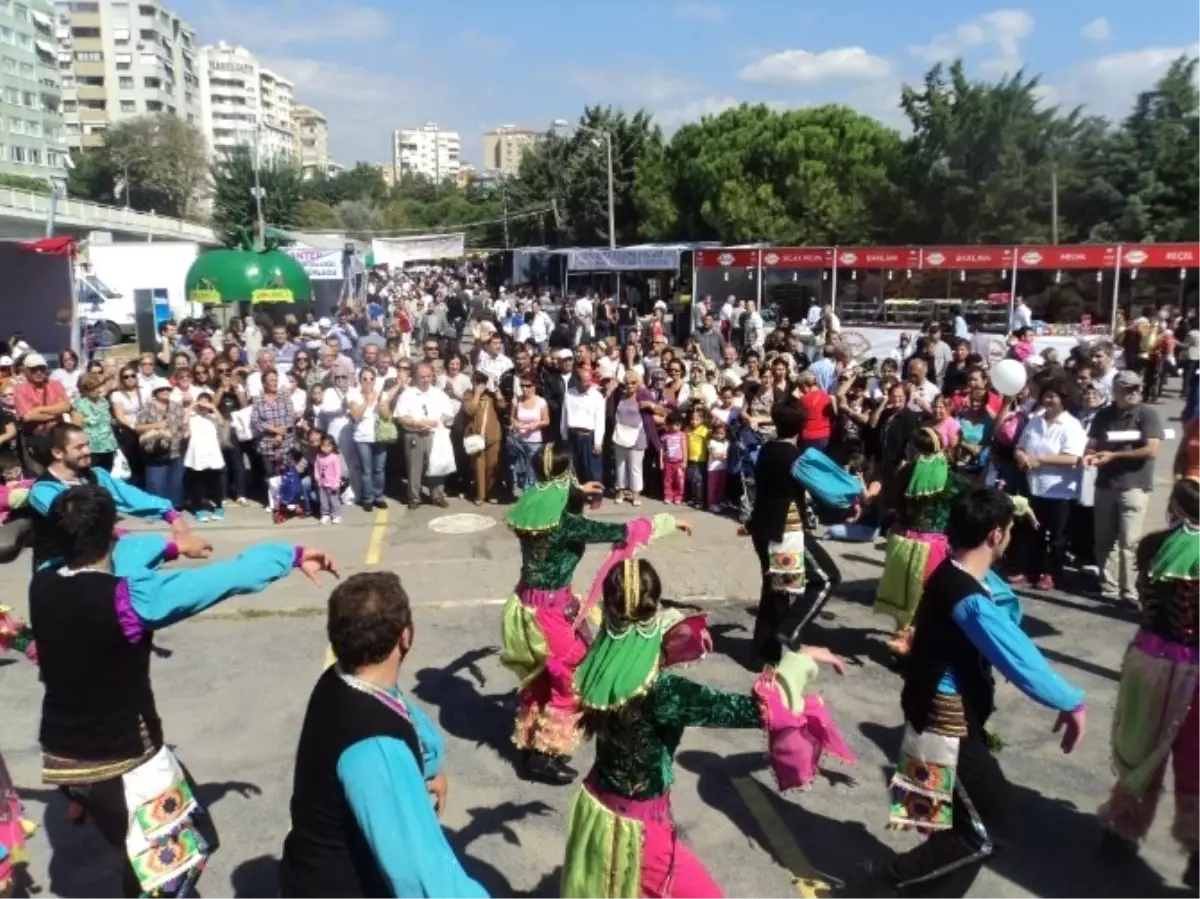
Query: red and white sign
{"x":966,"y":257}
{"x":1160,"y":255}
{"x":726,"y":259}
{"x":1093,"y":256}
{"x":878,"y":257}
{"x":798,"y":257}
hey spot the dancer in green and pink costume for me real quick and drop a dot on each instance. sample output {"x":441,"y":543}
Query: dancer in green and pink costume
{"x":621,"y":838}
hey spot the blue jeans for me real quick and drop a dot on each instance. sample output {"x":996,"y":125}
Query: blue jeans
{"x":521,"y":456}
{"x":852,"y":532}
{"x":588,"y":465}
{"x":165,"y":479}
{"x":372,"y":462}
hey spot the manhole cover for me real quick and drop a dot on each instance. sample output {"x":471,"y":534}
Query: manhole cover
{"x":466,"y":523}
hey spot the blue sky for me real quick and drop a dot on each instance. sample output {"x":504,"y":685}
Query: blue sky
{"x":470,"y":65}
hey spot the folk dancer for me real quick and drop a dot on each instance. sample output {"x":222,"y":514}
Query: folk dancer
{"x":542,"y":637}
{"x":798,"y":575}
{"x":621,"y":837}
{"x":370,"y":780}
{"x":1156,"y":714}
{"x":948,"y":784}
{"x":92,"y":616}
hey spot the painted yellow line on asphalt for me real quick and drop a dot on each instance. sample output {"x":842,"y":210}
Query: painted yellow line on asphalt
{"x":783,"y":845}
{"x":378,"y":532}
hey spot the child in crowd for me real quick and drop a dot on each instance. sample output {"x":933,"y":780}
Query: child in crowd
{"x":204,"y":460}
{"x":293,"y":497}
{"x":674,"y":459}
{"x":718,"y":457}
{"x":327,"y":477}
{"x":697,"y":455}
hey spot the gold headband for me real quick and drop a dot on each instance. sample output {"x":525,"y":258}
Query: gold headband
{"x":633,"y":586}
{"x":547,"y":461}
{"x":937,"y":440}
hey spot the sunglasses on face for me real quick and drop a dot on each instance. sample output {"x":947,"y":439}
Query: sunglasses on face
{"x":128,"y":376}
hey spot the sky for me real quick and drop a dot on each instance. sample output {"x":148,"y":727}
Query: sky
{"x":471,"y":65}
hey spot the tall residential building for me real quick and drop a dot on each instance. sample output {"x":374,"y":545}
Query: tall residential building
{"x":503,"y":148}
{"x":427,"y":151}
{"x":310,"y":133}
{"x":120,"y":59}
{"x":30,"y":96}
{"x":242,"y":103}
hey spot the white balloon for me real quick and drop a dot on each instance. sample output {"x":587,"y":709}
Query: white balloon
{"x":1008,"y":377}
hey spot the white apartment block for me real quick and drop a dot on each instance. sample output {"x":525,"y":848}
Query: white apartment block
{"x":119,"y":59}
{"x":242,"y":103}
{"x":310,"y":134}
{"x":30,"y":94}
{"x":427,"y":151}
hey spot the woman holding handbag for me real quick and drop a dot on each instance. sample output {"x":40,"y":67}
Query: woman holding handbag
{"x":634,"y":432}
{"x":484,"y":438}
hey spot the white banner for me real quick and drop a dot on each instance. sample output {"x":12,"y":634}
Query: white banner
{"x":882,"y":342}
{"x":399,"y":251}
{"x":649,"y":259}
{"x":321,"y":265}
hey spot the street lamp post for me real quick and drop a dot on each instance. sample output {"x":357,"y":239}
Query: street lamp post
{"x":612,"y":215}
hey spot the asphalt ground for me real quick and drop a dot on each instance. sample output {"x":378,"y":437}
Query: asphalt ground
{"x":232,"y":686}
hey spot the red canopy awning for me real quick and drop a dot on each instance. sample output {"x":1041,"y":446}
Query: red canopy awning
{"x":53,"y":246}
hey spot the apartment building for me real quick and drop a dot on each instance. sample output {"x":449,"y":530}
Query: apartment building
{"x":427,"y":151}
{"x":387,"y":171}
{"x":30,"y":93}
{"x":243,"y":103}
{"x":120,"y":59}
{"x":503,"y":148}
{"x":310,"y":134}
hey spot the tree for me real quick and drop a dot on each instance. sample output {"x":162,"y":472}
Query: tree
{"x":816,"y":176}
{"x":234,"y":207}
{"x":313,"y":215}
{"x":165,"y":157}
{"x":25,"y":182}
{"x":91,"y":177}
{"x":363,"y":182}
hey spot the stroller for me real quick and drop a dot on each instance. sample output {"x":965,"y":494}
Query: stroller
{"x":743,"y":454}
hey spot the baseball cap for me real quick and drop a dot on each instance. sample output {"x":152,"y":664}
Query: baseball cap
{"x":160,"y":384}
{"x":6,"y":362}
{"x":1127,"y":379}
{"x":324,"y":324}
{"x":34,"y":360}
{"x":563,"y":354}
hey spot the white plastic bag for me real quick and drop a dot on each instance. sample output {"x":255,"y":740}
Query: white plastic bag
{"x":121,"y":470}
{"x":240,"y":422}
{"x":441,"y":454}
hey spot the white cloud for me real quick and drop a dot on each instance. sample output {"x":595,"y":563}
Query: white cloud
{"x":673,"y":118}
{"x":1097,"y":30}
{"x":1001,"y":30}
{"x":1108,"y":85}
{"x":698,"y":11}
{"x":270,"y":28}
{"x":805,"y":67}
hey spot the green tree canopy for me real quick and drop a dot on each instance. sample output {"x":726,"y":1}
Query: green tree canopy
{"x":234,"y":205}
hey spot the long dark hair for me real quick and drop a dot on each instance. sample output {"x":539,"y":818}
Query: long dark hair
{"x":618,"y":616}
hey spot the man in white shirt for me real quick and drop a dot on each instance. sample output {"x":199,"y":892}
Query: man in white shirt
{"x":540,"y":326}
{"x":585,"y":316}
{"x":421,"y":410}
{"x":492,"y":361}
{"x":583,"y":426}
{"x":266,"y":361}
{"x":921,"y":390}
{"x":1021,"y":317}
{"x":1104,"y":370}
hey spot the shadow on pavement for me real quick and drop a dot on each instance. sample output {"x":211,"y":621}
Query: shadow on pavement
{"x":494,"y":821}
{"x":1057,"y":850}
{"x":833,"y":846}
{"x":463,"y":711}
{"x":739,"y":649}
{"x":256,"y":877}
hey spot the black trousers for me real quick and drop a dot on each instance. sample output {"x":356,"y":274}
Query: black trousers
{"x":205,"y":488}
{"x":984,"y":813}
{"x":1045,"y":550}
{"x":105,"y":805}
{"x":782,"y":616}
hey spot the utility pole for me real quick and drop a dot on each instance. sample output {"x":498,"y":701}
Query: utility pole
{"x":504,"y":198}
{"x":259,"y":193}
{"x":612,"y":217}
{"x":1054,"y":203}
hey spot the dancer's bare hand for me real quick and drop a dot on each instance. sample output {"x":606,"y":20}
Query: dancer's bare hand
{"x":179,"y":528}
{"x":438,"y":788}
{"x":315,"y":561}
{"x":193,"y":547}
{"x":1073,"y":725}
{"x":683,"y":526}
{"x":592,"y":488}
{"x":823,"y":656}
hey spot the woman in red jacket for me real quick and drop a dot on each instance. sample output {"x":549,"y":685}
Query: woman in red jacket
{"x":819,"y":413}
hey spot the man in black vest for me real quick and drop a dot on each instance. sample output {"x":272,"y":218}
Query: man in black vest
{"x":948,"y":783}
{"x":368,"y":786}
{"x":70,"y":464}
{"x":101,"y":735}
